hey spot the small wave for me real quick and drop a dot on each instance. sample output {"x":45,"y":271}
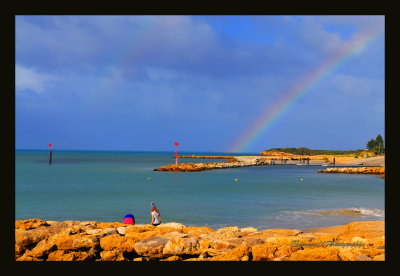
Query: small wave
{"x":371,"y":212}
{"x":344,"y":212}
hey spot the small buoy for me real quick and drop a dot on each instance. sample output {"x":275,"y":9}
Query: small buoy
{"x":236,"y":179}
{"x":301,"y":179}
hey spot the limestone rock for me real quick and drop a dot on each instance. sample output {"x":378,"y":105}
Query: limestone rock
{"x":248,"y":230}
{"x":172,"y":235}
{"x":213,"y":247}
{"x":117,"y":242}
{"x":280,"y":232}
{"x":27,"y":258}
{"x":151,"y":247}
{"x":139,"y":228}
{"x":197,"y":231}
{"x":316,"y":237}
{"x":277,"y":247}
{"x":89,"y":223}
{"x":362,"y":170}
{"x":172,"y":258}
{"x":223,"y":233}
{"x":113,"y":255}
{"x":249,"y":241}
{"x":263,"y":252}
{"x":102,"y":232}
{"x":195,"y":259}
{"x":121,"y":230}
{"x":39,"y":240}
{"x":182,"y":246}
{"x":316,"y":254}
{"x":25,"y":239}
{"x":30,"y":224}
{"x":171,"y":225}
{"x":240,"y":253}
{"x":61,"y":255}
{"x":42,"y":249}
{"x":357,"y":254}
{"x":79,"y":241}
{"x":366,"y":229}
{"x":102,"y":225}
{"x":138,"y":236}
{"x":380,"y":257}
{"x":234,"y":162}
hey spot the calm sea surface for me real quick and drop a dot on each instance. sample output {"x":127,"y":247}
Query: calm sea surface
{"x":105,"y":186}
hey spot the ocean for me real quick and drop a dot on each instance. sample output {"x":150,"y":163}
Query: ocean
{"x":106,"y":185}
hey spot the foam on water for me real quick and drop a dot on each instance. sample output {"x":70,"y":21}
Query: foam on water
{"x":341,"y":212}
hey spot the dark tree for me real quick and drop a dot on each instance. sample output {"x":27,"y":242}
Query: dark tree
{"x":371,"y":144}
{"x":379,"y":143}
{"x":376,"y":145}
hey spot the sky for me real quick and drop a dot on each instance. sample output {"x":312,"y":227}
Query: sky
{"x":212,"y":83}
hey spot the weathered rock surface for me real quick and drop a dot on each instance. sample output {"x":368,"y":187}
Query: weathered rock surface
{"x":316,"y":254}
{"x":151,"y":247}
{"x":112,"y":255}
{"x":363,"y":170}
{"x":39,"y":240}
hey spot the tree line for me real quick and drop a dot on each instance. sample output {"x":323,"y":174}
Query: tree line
{"x":307,"y":151}
{"x":375,"y":146}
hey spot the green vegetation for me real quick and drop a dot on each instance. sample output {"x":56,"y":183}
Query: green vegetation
{"x":307,"y":151}
{"x":376,"y":145}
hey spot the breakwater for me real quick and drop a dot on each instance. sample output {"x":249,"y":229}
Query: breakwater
{"x":206,"y":156}
{"x":363,"y":170}
{"x":233,"y":162}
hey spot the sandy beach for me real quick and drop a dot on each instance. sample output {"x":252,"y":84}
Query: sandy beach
{"x":40,"y":240}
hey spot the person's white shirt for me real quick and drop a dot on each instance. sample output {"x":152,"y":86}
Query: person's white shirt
{"x":156,"y":217}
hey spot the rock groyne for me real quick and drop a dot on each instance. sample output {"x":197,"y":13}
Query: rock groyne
{"x":40,"y":240}
{"x":207,"y":156}
{"x":363,"y":170}
{"x":234,"y":162}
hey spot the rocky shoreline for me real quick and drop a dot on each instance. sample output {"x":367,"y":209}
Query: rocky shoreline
{"x":233,"y":162}
{"x":40,"y":240}
{"x":363,"y":170}
{"x":207,"y":156}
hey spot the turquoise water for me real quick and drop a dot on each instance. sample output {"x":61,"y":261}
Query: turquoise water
{"x":104,"y":186}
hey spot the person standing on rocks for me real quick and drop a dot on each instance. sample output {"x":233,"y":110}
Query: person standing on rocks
{"x":155,"y":215}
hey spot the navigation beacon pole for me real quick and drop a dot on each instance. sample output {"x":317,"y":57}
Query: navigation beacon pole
{"x":50,"y":154}
{"x":176,"y":152}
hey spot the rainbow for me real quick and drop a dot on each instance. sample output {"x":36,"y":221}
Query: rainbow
{"x":270,"y":114}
